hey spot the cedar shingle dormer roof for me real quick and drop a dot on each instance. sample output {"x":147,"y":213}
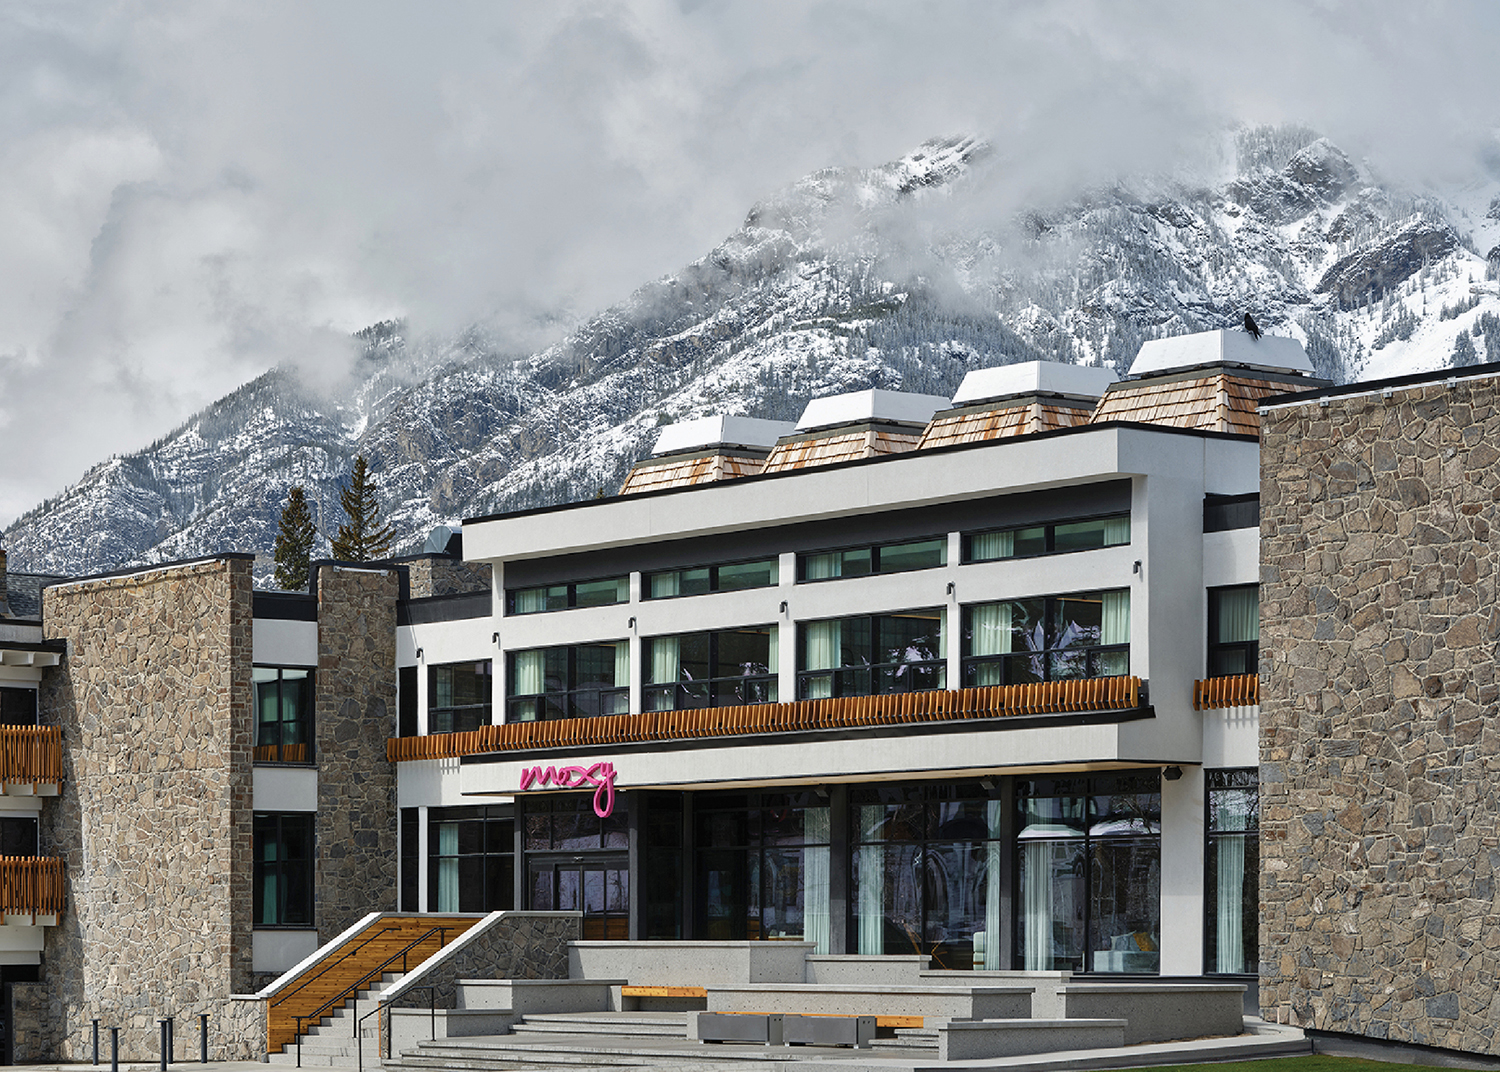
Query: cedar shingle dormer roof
{"x":844,"y":444}
{"x":1016,"y":400}
{"x":680,"y":470}
{"x":1215,"y":400}
{"x":703,"y":451}
{"x":1014,"y":417}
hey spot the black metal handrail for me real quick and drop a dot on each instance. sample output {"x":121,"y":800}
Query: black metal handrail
{"x":363,"y":981}
{"x":331,"y":964}
{"x":359,"y":1039}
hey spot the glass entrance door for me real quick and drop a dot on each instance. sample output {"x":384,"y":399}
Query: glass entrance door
{"x":597,"y":887}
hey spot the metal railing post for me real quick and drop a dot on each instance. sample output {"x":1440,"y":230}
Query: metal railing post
{"x":96,"y":1041}
{"x":203,"y":1038}
{"x":171,"y":1038}
{"x":163,"y":1025}
{"x":114,"y":1049}
{"x":299,"y":1041}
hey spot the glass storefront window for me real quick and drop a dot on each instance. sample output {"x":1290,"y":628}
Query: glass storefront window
{"x":926,"y":872}
{"x":1088,"y":862}
{"x":762,"y":867}
{"x":472,"y":856}
{"x":1232,"y":865}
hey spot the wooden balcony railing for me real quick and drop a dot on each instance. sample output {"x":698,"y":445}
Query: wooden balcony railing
{"x":31,"y":886}
{"x":1001,"y":701}
{"x":1237,"y":690}
{"x":31,"y":754}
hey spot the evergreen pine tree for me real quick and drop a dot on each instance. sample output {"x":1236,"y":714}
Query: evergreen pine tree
{"x":294,"y":542}
{"x":1463,"y":351}
{"x":361,"y":537}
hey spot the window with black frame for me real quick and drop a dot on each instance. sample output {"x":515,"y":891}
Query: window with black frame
{"x":1232,"y":872}
{"x":926,"y":872}
{"x":1088,"y":873}
{"x":878,"y":558}
{"x":17,"y":707}
{"x":283,"y":712}
{"x":1047,"y":638}
{"x":578,"y":681}
{"x":600,"y":593}
{"x":459,"y":696}
{"x":472,"y":859}
{"x":283,"y":871}
{"x":700,"y":580}
{"x":872,"y":655}
{"x":1050,"y":538}
{"x":1233,"y":630}
{"x":718,"y":669}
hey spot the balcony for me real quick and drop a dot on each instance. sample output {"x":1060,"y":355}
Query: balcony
{"x":1236,"y":690}
{"x":31,"y":886}
{"x":30,"y":760}
{"x":997,"y":702}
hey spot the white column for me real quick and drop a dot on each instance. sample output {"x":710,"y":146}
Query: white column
{"x":637,"y":670}
{"x":786,"y":629}
{"x":422,"y":865}
{"x":953,"y":635}
{"x":1182,"y":873}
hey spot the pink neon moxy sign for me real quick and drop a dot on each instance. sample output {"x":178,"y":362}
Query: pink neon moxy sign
{"x":600,"y":775}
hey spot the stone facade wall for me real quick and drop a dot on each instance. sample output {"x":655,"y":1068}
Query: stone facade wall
{"x":519,"y":945}
{"x":154,"y":819}
{"x":355,"y":712}
{"x":1380,"y":835}
{"x":439,"y":575}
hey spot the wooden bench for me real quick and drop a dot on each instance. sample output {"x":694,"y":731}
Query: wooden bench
{"x":663,"y":992}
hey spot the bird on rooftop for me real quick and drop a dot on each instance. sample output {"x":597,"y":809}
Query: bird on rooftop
{"x":1251,"y":326}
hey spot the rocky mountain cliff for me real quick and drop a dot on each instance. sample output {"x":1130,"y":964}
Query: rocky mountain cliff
{"x":903,"y":276}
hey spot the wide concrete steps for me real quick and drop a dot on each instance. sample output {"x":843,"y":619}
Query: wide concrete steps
{"x":627,"y":1025}
{"x":330,"y":1042}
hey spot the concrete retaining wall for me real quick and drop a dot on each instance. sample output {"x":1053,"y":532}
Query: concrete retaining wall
{"x":1159,"y":1012}
{"x":958,"y":1002}
{"x":689,"y":963}
{"x":969,"y":1041}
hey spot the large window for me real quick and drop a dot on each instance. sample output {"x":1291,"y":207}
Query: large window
{"x":1052,"y":538}
{"x":578,"y":862}
{"x":458,"y":696}
{"x":283,"y":869}
{"x":1233,"y":630}
{"x":881,"y":558}
{"x":473,"y":859}
{"x":762,"y":863}
{"x":730,"y":577}
{"x":600,"y":593}
{"x":283,"y":710}
{"x":17,"y":707}
{"x":1048,"y":638}
{"x":580,"y":681}
{"x":721,"y":669}
{"x":1232,"y":900}
{"x":868,"y":656}
{"x":926,"y":872}
{"x":1089,"y":873}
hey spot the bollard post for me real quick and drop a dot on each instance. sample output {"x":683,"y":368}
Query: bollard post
{"x":96,"y":1041}
{"x":114,"y":1049}
{"x":171,"y":1038}
{"x":163,"y":1024}
{"x":203,"y":1038}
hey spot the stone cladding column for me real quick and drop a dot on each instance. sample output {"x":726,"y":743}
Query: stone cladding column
{"x":154,"y":818}
{"x":355,"y":714}
{"x":1380,"y":834}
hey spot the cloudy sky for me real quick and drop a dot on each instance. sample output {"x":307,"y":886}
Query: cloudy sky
{"x":193,"y":192}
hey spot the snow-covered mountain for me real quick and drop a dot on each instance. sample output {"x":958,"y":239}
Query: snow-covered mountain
{"x":902,"y":276}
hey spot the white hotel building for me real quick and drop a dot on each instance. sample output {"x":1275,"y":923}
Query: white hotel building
{"x":913,"y":676}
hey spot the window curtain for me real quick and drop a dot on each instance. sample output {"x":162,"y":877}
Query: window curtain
{"x":815,"y":918}
{"x":1230,"y":895}
{"x":992,"y":923}
{"x":990,"y":626}
{"x":666,"y":662}
{"x":530,"y":673}
{"x":987,"y":546}
{"x":1239,"y":614}
{"x":823,"y":643}
{"x":871,"y":907}
{"x":1116,"y":624}
{"x":1116,"y":530}
{"x":447,"y":870}
{"x":664,"y":585}
{"x":1036,"y":904}
{"x":531,"y":600}
{"x":821,"y":567}
{"x":622,"y":664}
{"x":773,"y":653}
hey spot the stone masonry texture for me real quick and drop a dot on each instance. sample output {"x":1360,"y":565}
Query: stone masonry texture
{"x":439,"y":575}
{"x":355,"y":833}
{"x":1380,"y":834}
{"x":518,"y":945}
{"x":154,"y":820}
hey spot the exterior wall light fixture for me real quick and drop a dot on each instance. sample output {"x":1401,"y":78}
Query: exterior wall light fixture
{"x":1171,"y":774}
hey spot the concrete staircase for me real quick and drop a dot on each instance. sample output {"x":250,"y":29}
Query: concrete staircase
{"x":331,"y":1043}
